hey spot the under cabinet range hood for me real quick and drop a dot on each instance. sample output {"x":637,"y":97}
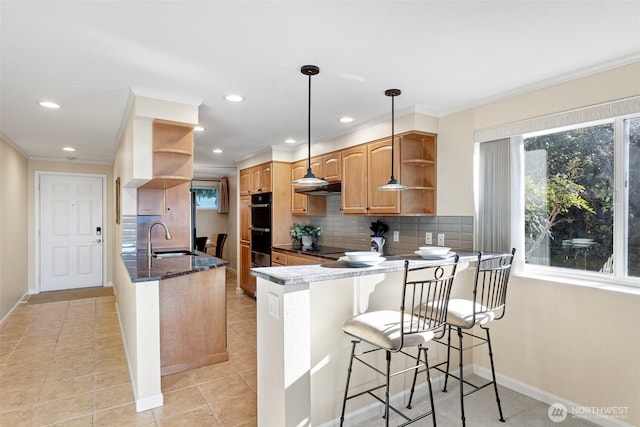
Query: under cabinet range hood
{"x":322,"y":190}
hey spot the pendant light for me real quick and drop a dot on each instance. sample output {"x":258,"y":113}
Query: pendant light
{"x":309,"y":180}
{"x":393,"y":183}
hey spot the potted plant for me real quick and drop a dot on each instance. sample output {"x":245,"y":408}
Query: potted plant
{"x":304,"y":235}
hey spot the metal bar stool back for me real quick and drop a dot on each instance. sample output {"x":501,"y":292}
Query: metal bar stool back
{"x":488,"y":304}
{"x":422,"y":314}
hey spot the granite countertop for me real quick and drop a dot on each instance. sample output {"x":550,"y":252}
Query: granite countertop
{"x":295,"y":275}
{"x":165,"y":268}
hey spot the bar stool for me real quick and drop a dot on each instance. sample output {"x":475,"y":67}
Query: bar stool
{"x":488,"y":304}
{"x":391,"y":331}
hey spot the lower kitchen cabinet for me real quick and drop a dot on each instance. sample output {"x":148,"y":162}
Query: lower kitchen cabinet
{"x":284,"y":258}
{"x":247,"y":280}
{"x":193,"y":316}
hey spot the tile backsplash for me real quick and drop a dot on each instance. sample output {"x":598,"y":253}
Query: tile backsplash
{"x":352,"y":231}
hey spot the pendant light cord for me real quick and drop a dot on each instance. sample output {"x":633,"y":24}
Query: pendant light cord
{"x":309,"y":130}
{"x":393,"y":98}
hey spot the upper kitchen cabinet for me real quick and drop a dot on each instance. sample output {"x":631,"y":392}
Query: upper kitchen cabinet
{"x":256,"y":179}
{"x":329,"y":166}
{"x":172,"y":149}
{"x":302,"y":204}
{"x":366,"y":167}
{"x":354,"y":180}
{"x":418,"y":160}
{"x":245,"y":182}
{"x":378,"y":173}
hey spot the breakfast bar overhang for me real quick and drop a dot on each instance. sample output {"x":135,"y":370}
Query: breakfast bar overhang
{"x":302,"y":352}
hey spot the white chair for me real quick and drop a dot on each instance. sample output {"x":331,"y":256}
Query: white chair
{"x":488,"y":304}
{"x":391,"y":331}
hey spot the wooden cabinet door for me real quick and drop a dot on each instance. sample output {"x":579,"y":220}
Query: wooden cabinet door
{"x":150,"y":201}
{"x":247,"y":281}
{"x":245,"y":218}
{"x":265,"y":178}
{"x":354,"y":180}
{"x":379,"y":172}
{"x":298,"y":201}
{"x":255,"y":180}
{"x":332,"y":167}
{"x":245,"y":182}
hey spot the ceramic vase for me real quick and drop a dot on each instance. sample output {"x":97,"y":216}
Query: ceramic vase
{"x":307,"y":241}
{"x":377,"y":243}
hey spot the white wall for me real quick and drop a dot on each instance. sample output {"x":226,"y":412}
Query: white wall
{"x":69,"y":167}
{"x":13,"y":227}
{"x":569,"y":341}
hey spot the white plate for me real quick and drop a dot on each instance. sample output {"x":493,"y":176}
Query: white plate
{"x":366,"y":263}
{"x":362,"y":256}
{"x":429,"y":256}
{"x":434,"y":250}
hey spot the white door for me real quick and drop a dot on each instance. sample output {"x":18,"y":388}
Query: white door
{"x":71,"y":232}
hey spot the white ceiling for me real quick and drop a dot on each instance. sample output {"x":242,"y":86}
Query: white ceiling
{"x":445,"y":56}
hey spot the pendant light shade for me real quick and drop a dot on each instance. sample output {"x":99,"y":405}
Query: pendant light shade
{"x":309,"y":179}
{"x":393,"y":183}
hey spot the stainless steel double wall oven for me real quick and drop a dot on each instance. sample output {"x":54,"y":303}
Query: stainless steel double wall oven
{"x":261,"y":230}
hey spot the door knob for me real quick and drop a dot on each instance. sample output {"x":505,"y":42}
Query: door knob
{"x":98,"y":240}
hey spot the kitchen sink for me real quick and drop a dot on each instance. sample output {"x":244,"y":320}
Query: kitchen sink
{"x":173,"y":253}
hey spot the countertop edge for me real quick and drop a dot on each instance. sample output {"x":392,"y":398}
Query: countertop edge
{"x":168,"y":267}
{"x":301,"y":274}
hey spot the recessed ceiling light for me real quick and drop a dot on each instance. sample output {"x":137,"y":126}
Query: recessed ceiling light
{"x":346,"y":119}
{"x":69,"y":149}
{"x":234,"y":98}
{"x":217,"y":150}
{"x":48,"y":104}
{"x":199,"y":129}
{"x":290,"y":141}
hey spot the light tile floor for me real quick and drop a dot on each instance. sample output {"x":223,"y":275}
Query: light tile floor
{"x":63,"y":364}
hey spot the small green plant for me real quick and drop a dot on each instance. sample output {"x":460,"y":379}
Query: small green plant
{"x":299,"y":230}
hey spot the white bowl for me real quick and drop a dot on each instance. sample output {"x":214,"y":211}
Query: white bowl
{"x":434,"y":250}
{"x":362,"y":256}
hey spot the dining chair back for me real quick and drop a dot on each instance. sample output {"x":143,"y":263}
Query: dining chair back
{"x":222,"y":237}
{"x":201,"y":244}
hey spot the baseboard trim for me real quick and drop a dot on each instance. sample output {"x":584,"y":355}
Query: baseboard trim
{"x":549,"y":398}
{"x":149,"y":402}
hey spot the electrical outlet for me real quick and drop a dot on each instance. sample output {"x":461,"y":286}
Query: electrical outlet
{"x":396,"y":236}
{"x":428,"y":238}
{"x":440,"y":239}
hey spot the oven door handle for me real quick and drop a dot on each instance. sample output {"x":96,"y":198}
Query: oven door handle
{"x":260,"y":205}
{"x":264,"y":230}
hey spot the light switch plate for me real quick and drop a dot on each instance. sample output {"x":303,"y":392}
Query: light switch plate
{"x":428,"y":238}
{"x":274,"y":306}
{"x":396,"y":236}
{"x":440,"y":239}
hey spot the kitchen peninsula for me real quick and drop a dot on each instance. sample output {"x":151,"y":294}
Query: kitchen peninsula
{"x":302,"y":352}
{"x":192,"y":307}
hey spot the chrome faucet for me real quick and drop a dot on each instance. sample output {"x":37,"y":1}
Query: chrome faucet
{"x":167,"y":236}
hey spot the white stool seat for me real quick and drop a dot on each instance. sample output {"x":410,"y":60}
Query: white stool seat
{"x":460,"y":313}
{"x":382,"y":329}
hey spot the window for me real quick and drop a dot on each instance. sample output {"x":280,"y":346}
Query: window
{"x":568,"y":197}
{"x":581,"y":199}
{"x":571,"y":181}
{"x":206,"y":198}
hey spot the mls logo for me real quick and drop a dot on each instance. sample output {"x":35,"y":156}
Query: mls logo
{"x":557,"y":412}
